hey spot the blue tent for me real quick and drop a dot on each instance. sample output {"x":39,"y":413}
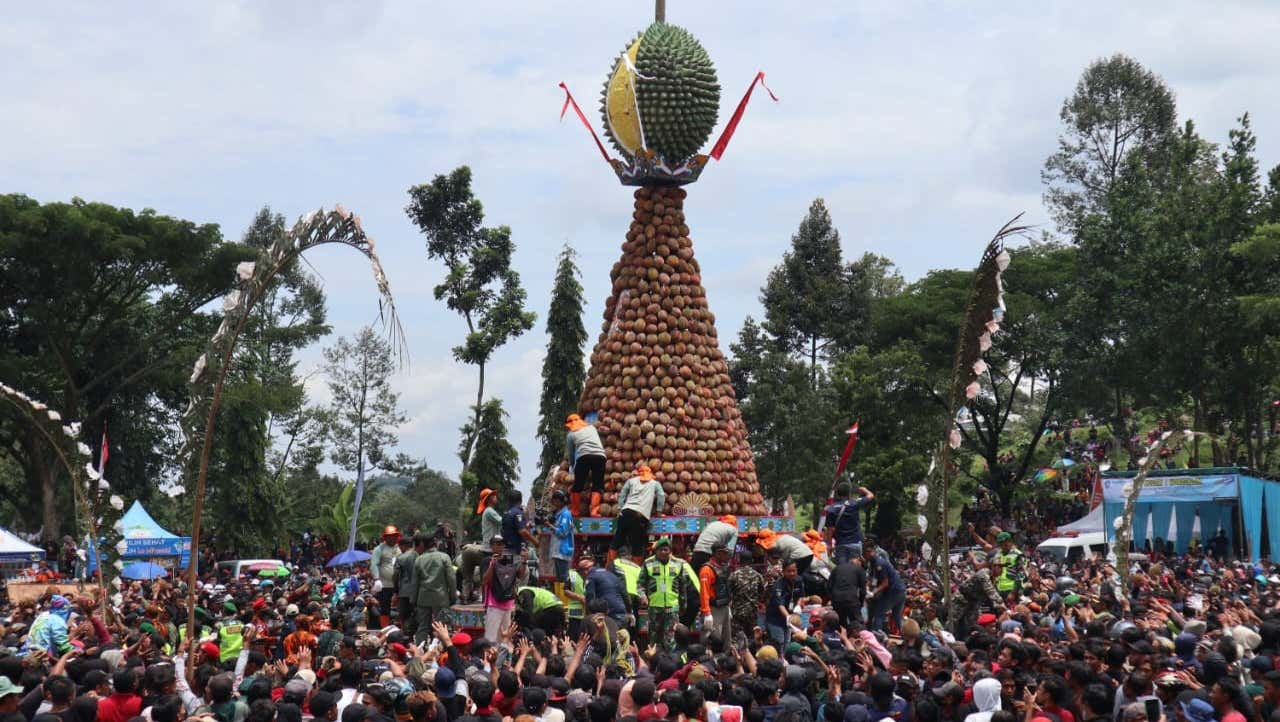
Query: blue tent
{"x":138,"y":524}
{"x":1174,"y":502}
{"x":145,"y":539}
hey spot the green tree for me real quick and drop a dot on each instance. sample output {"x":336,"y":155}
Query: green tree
{"x":1259,"y":304}
{"x":1021,"y":383}
{"x":1117,"y":125}
{"x":890,"y":391}
{"x":104,"y":330}
{"x":1118,"y":106}
{"x":563,"y":370}
{"x":495,"y":463}
{"x":429,"y":498}
{"x":792,"y":435}
{"x":264,"y":398}
{"x":813,"y":302}
{"x":480,"y":286}
{"x":363,"y":413}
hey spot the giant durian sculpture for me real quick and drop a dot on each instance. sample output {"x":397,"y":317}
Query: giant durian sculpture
{"x":662,"y":96}
{"x":658,"y":389}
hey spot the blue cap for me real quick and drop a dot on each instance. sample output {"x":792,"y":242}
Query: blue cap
{"x":446,"y":683}
{"x":1198,"y":710}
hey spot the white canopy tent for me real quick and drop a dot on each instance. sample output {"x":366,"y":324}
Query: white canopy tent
{"x":16,"y":554}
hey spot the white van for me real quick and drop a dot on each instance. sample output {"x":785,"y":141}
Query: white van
{"x":1074,"y":546}
{"x":237,"y":568}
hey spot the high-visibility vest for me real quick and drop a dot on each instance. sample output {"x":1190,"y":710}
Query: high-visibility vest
{"x":230,"y":641}
{"x":579,"y":586}
{"x":182,"y":632}
{"x":692,"y":576}
{"x":630,"y":575}
{"x":1008,"y":579}
{"x":542,"y":598}
{"x":664,"y":578}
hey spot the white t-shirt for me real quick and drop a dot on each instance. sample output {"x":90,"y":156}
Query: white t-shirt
{"x":346,"y":697}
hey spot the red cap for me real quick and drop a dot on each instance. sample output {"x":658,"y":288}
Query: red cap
{"x":461,"y":639}
{"x":985,"y":619}
{"x":210,"y":649}
{"x":398,"y":649}
{"x":259,"y":603}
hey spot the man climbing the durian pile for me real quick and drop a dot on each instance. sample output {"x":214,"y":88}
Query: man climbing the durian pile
{"x":721,"y":532}
{"x":640,"y":498}
{"x":585,"y":452}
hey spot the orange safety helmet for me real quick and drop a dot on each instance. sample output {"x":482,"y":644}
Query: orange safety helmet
{"x":391,"y":532}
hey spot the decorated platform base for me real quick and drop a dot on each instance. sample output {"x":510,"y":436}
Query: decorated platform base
{"x":676,"y":526}
{"x":465,"y":617}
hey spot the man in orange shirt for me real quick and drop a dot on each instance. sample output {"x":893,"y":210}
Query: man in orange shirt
{"x":714,"y":576}
{"x":299,"y":639}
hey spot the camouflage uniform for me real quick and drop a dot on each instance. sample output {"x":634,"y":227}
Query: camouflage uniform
{"x":977,"y":592}
{"x":746,"y":592}
{"x":772,"y":573}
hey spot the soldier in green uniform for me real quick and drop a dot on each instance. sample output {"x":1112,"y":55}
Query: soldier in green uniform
{"x":663,"y":585}
{"x":976,"y":594}
{"x":746,"y":591}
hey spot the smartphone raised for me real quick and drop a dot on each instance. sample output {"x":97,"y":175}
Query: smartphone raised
{"x":1152,"y":705}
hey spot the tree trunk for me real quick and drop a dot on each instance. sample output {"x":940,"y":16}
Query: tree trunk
{"x":1197,"y":420}
{"x":813,"y":363}
{"x":42,"y":479}
{"x":475,"y":426}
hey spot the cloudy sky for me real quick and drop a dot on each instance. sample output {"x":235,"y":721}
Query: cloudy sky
{"x":923,"y":125}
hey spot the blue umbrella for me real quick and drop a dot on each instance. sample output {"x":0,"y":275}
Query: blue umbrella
{"x":350,"y":556}
{"x":143,"y":570}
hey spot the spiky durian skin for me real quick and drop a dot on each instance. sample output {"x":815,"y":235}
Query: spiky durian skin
{"x":677,"y":93}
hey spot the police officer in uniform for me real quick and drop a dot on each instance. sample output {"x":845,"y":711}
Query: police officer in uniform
{"x":1009,"y":577}
{"x":663,"y":586}
{"x":540,"y":608}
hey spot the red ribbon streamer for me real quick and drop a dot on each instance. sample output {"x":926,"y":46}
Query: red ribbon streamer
{"x":852,"y":432}
{"x":568,"y":100}
{"x":729,"y":129}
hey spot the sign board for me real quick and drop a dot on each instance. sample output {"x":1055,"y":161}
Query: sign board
{"x":148,"y":548}
{"x":1173,"y":488}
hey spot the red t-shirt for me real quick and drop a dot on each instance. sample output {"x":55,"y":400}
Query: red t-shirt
{"x":119,"y":707}
{"x":506,"y":706}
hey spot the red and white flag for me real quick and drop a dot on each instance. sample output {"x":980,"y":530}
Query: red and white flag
{"x":852,"y":432}
{"x":102,"y":456}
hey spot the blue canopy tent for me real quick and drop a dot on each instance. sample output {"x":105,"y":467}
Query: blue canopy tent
{"x":1175,"y":503}
{"x":145,"y":539}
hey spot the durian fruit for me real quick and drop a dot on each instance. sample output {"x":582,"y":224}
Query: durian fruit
{"x":658,"y":379}
{"x":670,"y":102}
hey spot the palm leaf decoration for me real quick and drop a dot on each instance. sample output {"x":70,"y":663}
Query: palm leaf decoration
{"x":210,"y":372}
{"x":983,"y":316}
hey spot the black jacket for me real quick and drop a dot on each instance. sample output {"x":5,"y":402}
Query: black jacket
{"x":848,"y":583}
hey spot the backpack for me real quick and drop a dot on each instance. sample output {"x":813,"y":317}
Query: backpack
{"x":503,"y":587}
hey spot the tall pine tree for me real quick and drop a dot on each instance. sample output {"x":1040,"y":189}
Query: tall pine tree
{"x":563,"y":369}
{"x":495,"y":463}
{"x":813,"y":302}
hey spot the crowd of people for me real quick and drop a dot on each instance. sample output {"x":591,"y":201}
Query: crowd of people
{"x":721,"y":627}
